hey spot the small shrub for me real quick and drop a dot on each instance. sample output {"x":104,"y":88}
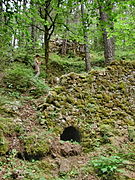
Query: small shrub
{"x":106,"y":167}
{"x":20,"y":78}
{"x":39,"y":87}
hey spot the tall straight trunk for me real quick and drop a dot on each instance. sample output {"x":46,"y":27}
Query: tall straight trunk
{"x":21,"y":35}
{"x":46,"y":33}
{"x":32,"y":28}
{"x":74,"y":47}
{"x":5,"y":19}
{"x":33,"y":34}
{"x":46,"y":43}
{"x":25,"y":3}
{"x":13,"y":41}
{"x":65,"y":42}
{"x":86,"y":41}
{"x":1,"y":12}
{"x":108,"y":42}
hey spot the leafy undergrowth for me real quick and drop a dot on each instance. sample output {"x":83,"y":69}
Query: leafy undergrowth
{"x":60,"y":65}
{"x":20,"y":79}
{"x":99,"y":104}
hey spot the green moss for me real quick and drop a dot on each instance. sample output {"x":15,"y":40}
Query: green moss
{"x":36,"y":145}
{"x":57,"y":103}
{"x":106,"y":129}
{"x":4,"y":144}
{"x":129,"y":121}
{"x":59,"y":89}
{"x":98,"y":98}
{"x":51,"y":97}
{"x":109,"y":121}
{"x":46,"y":166}
{"x":106,"y":97}
{"x":7,"y":126}
{"x":131,"y":133}
{"x":81,"y":106}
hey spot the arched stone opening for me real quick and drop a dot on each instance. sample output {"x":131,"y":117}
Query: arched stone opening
{"x":71,"y":134}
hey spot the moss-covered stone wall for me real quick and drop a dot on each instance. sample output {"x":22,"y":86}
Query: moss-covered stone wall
{"x":100,"y":104}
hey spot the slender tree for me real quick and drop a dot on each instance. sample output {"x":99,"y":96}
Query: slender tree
{"x":1,"y":11}
{"x":105,"y":9}
{"x":48,"y":13}
{"x":86,"y":41}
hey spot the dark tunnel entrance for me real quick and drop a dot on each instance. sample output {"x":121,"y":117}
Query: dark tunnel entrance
{"x":71,"y":134}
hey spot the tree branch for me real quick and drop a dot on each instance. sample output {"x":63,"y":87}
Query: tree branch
{"x":48,"y":14}
{"x":67,"y":28}
{"x":38,"y":28}
{"x":40,"y":11}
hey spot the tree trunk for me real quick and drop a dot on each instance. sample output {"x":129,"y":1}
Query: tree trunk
{"x":87,"y":56}
{"x":46,"y":43}
{"x":86,"y":46}
{"x":47,"y":53}
{"x":46,"y":34}
{"x":64,"y":47}
{"x":33,"y":34}
{"x":25,"y":3}
{"x":5,"y":19}
{"x":64,"y":42}
{"x":13,"y":41}
{"x":1,"y":12}
{"x":74,"y":47}
{"x":32,"y":29}
{"x":108,"y":42}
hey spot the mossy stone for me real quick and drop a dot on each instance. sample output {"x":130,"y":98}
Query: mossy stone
{"x":59,"y":89}
{"x":99,"y":98}
{"x":106,"y":129}
{"x":51,"y":97}
{"x":36,"y":145}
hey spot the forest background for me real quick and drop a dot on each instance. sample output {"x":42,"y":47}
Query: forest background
{"x":94,"y":30}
